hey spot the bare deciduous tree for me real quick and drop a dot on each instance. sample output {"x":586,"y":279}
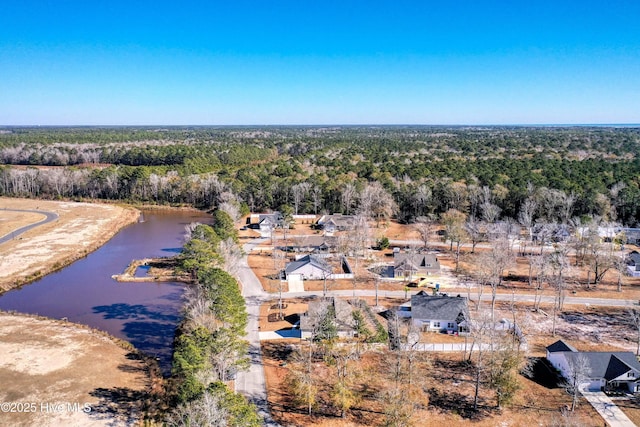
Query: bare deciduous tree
{"x":299,"y":193}
{"x":558,"y":270}
{"x":473,"y":227}
{"x":577,"y":373}
{"x":494,"y":262}
{"x":348,"y":197}
{"x":207,"y":411}
{"x":231,"y":255}
{"x":453,"y":221}
{"x":425,"y":226}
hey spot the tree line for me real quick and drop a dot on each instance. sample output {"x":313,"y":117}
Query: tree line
{"x":425,"y":170}
{"x":209,"y":347}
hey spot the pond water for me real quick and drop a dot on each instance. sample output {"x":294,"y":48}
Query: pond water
{"x":145,"y":314}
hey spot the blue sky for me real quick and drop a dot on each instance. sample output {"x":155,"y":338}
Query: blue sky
{"x":318,"y":62}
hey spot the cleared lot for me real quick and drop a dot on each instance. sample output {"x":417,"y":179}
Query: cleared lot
{"x":56,"y":373}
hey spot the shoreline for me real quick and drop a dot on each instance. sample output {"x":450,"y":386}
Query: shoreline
{"x":126,"y":215}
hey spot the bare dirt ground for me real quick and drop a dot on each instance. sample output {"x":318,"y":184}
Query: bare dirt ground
{"x":80,"y":229}
{"x":445,"y":395}
{"x":56,"y":373}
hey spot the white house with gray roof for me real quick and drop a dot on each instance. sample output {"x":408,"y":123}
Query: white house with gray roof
{"x":414,"y":265}
{"x":336,"y":222}
{"x":309,"y":267}
{"x":608,"y":370}
{"x":440,"y":313}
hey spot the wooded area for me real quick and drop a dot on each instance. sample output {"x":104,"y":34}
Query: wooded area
{"x":483,"y":172}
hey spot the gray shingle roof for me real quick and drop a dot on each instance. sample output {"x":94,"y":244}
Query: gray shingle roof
{"x":634,"y":257}
{"x":608,"y":365}
{"x":308,"y":259}
{"x":560,"y":346}
{"x":337,"y":220}
{"x":416,"y":262}
{"x":439,"y":308}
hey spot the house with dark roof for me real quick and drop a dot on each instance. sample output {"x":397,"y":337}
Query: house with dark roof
{"x":336,"y":222}
{"x":440,"y":313}
{"x":309,"y":267}
{"x":413,"y":265}
{"x":633,"y":264}
{"x":607,"y":370}
{"x":341,"y":313}
{"x":632,"y":235}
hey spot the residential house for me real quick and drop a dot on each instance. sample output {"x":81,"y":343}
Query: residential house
{"x":413,"y":265}
{"x":341,"y":313}
{"x":499,"y":229}
{"x":268,"y":222}
{"x":309,"y":267}
{"x":633,"y":264}
{"x":336,"y":222}
{"x":548,"y":233}
{"x":440,"y":313}
{"x":632,"y":235}
{"x":607,"y":370}
{"x":321,"y":244}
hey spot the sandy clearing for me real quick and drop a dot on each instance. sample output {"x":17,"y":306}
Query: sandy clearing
{"x":53,"y":368}
{"x":80,"y":229}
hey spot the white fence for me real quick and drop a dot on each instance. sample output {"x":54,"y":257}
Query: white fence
{"x":342,"y":276}
{"x":444,"y":347}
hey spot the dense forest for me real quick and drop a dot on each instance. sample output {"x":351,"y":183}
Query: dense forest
{"x":414,"y":171}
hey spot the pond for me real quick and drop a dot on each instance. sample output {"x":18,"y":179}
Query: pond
{"x":144,"y":314}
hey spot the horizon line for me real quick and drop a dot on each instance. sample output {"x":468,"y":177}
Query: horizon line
{"x":330,"y":124}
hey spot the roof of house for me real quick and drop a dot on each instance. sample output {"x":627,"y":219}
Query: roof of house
{"x":415,"y":262}
{"x":272,"y":218}
{"x":560,"y":346}
{"x":439,"y":307}
{"x":603,"y":364}
{"x":635,"y":257}
{"x":608,"y":365}
{"x":343,"y":314}
{"x":313,"y":242}
{"x":308,"y":259}
{"x":337,"y":220}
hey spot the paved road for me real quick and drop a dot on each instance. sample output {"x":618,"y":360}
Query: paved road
{"x":49,"y":216}
{"x":252,"y":383}
{"x":607,"y":409}
{"x":606,"y":302}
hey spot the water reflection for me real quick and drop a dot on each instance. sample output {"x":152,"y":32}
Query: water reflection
{"x":145,"y":314}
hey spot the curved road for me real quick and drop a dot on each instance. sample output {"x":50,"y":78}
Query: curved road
{"x":49,"y":216}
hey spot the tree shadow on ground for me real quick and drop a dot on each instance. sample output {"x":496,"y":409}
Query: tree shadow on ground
{"x":454,"y":402}
{"x":120,"y":405}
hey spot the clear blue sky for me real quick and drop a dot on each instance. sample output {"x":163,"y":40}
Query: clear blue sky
{"x":140,"y":62}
